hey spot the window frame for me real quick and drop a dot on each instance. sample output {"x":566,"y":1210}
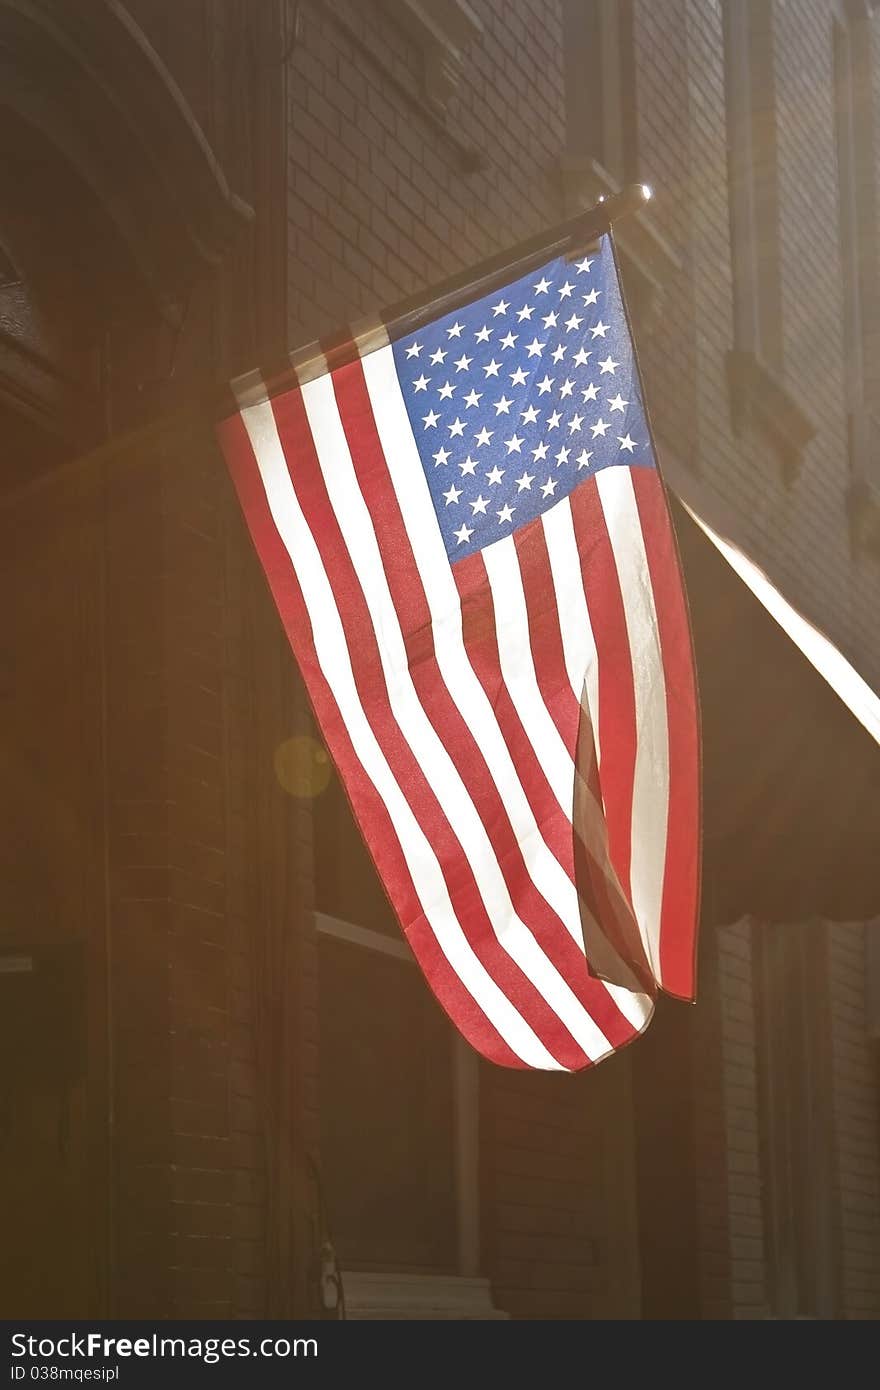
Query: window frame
{"x":755,"y":362}
{"x":851,"y":43}
{"x":466,"y":1096}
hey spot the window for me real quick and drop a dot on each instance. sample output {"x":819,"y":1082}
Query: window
{"x":791,"y":972}
{"x":756,"y":360}
{"x":851,"y":57}
{"x":752,"y":178}
{"x":399,"y":1097}
{"x":600,"y":87}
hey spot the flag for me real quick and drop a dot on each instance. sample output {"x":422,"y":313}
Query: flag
{"x":467,"y":538}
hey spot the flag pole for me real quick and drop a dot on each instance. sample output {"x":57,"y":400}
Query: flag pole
{"x":570,"y":238}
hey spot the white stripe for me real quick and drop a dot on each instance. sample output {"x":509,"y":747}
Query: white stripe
{"x":356,"y":525}
{"x":651,"y":780}
{"x":636,"y":1008}
{"x":578,"y":642}
{"x":333,"y":658}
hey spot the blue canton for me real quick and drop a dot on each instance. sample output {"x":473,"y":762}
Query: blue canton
{"x":517,"y":398}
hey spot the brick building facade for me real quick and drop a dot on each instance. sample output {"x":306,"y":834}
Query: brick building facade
{"x":182,"y":870}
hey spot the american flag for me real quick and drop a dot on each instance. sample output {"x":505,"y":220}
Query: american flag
{"x":468,"y":542}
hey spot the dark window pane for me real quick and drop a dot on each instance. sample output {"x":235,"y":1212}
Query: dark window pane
{"x":386,"y":1113}
{"x":346,"y":882}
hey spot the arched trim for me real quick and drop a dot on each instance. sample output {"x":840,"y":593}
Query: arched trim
{"x":86,"y":76}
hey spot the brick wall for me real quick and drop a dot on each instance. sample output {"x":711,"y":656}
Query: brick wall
{"x":798,"y":531}
{"x":381,"y":200}
{"x":559,"y":1207}
{"x":385,"y":197}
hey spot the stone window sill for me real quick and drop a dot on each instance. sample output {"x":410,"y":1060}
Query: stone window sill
{"x":759,"y":398}
{"x":443,"y":29}
{"x":440,"y":1297}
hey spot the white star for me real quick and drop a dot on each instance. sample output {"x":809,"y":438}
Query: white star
{"x":542,"y":286}
{"x":584,"y":458}
{"x":518,"y":378}
{"x":456,"y":429}
{"x":438,"y":356}
{"x":514,"y":444}
{"x":600,"y":427}
{"x":500,"y":308}
{"x":534,"y":348}
{"x":573,"y":322}
{"x":608,"y":365}
{"x":491,"y":368}
{"x":495,"y":474}
{"x":626,"y":443}
{"x":483,"y":334}
{"x":524,"y":313}
{"x":484,"y":436}
{"x":446,"y":391}
{"x":549,"y":487}
{"x":565,"y":290}
{"x":469,"y":466}
{"x":566,"y":388}
{"x":421,"y":382}
{"x":463,"y":534}
{"x":441,"y":457}
{"x":414,"y":350}
{"x":585,"y":264}
{"x":575,"y":423}
{"x":506,"y":513}
{"x":581,"y":358}
{"x":539,"y":453}
{"x":502,"y":407}
{"x":508,"y":340}
{"x":553,"y":420}
{"x":562,"y":456}
{"x":600,"y":330}
{"x":544,"y":386}
{"x":529,"y":415}
{"x":472,"y":398}
{"x":452,"y":495}
{"x":591,"y":392}
{"x":524,"y":483}
{"x":480,"y":505}
{"x":430,"y":419}
{"x":592,"y":296}
{"x":462,"y":363}
{"x":550,"y":320}
{"x":559,"y":353}
{"x":617,"y":402}
{"x":455,"y":330}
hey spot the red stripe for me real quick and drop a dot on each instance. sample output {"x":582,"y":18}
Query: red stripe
{"x":369,"y":677}
{"x":617,"y":702}
{"x":371,"y":811}
{"x":414,"y":614}
{"x":678,"y":929}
